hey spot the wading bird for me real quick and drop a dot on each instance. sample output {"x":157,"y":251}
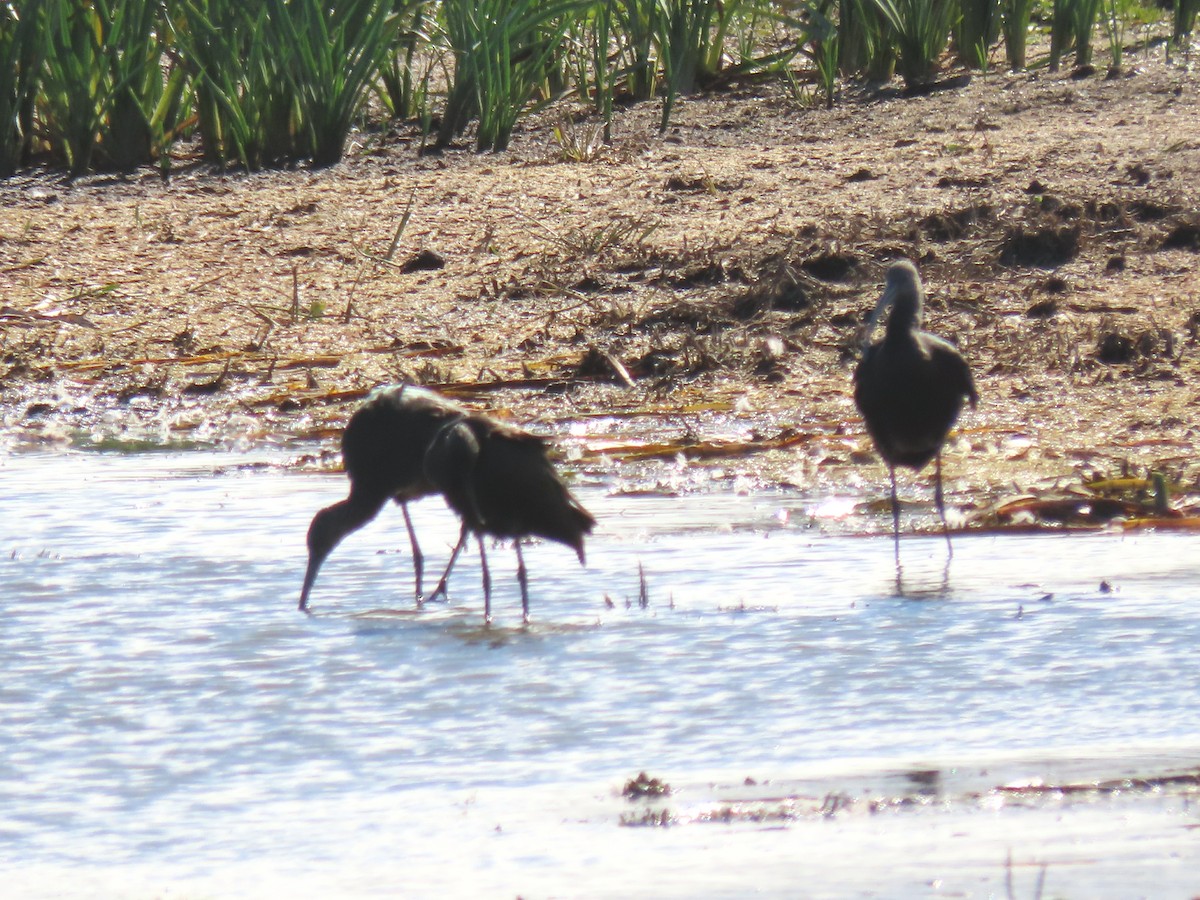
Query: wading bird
{"x":406,"y":442}
{"x":500,"y":482}
{"x":910,"y":387}
{"x":383,"y":449}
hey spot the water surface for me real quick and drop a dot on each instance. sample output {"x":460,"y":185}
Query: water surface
{"x":172,"y":724}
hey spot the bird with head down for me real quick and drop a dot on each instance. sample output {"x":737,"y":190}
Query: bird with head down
{"x":407,"y":442}
{"x":383,"y":451}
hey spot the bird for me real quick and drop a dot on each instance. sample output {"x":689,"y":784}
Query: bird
{"x":500,"y":482}
{"x":909,"y":387}
{"x":383,"y":450}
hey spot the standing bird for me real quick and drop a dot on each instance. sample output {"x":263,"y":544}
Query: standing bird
{"x":910,"y":387}
{"x":383,"y":448}
{"x":500,"y":482}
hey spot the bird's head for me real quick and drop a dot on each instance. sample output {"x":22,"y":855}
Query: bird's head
{"x":323,"y":535}
{"x":903,"y":294}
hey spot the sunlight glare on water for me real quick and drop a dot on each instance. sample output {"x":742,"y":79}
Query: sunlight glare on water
{"x":172,"y":722}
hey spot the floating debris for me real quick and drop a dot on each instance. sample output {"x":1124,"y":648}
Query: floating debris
{"x":645,"y":786}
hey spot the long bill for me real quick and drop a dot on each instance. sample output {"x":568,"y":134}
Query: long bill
{"x":886,"y":300}
{"x":310,"y":576}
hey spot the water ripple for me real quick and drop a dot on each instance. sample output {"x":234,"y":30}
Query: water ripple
{"x":164,"y":701}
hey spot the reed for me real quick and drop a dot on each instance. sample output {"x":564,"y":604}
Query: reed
{"x":74,"y":87}
{"x":694,"y":38}
{"x":1183,"y":20}
{"x":113,"y":83}
{"x":332,"y":51}
{"x":602,"y":74}
{"x":822,"y":48}
{"x":866,"y":40}
{"x":149,"y":86}
{"x":1116,"y":17}
{"x":690,"y":36}
{"x":977,"y":28}
{"x":103,"y":93}
{"x":502,"y":50}
{"x":243,"y":98}
{"x":1062,"y":33}
{"x":636,"y":24}
{"x":21,"y":54}
{"x":922,"y":30}
{"x":405,"y":73}
{"x":281,"y":80}
{"x":1083,"y":22}
{"x":1015,"y":27}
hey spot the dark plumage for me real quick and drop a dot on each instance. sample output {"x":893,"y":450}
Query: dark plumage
{"x":406,"y":442}
{"x":383,"y":448}
{"x":910,"y":387}
{"x":500,"y":482}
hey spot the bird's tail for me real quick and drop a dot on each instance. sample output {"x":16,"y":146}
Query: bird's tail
{"x":572,"y":524}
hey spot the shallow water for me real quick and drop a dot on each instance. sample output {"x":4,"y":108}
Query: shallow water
{"x":172,"y":724}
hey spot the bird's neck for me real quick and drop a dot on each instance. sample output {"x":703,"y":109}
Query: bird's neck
{"x":905,"y":318}
{"x":355,"y":511}
{"x":336,"y":521}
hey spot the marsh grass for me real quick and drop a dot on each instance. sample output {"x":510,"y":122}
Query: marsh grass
{"x":1183,"y":20}
{"x":1084,"y":14}
{"x":635,"y":26}
{"x":822,"y":50}
{"x":976,"y":29}
{"x":404,"y":76}
{"x":144,"y":106}
{"x":866,"y":40}
{"x":75,"y":88}
{"x":691,"y":38}
{"x":21,"y":53}
{"x":502,"y":51}
{"x":620,"y":236}
{"x":921,"y":29}
{"x":243,"y":99}
{"x":578,"y":141}
{"x":112,"y":84}
{"x":282,"y":80}
{"x":337,"y":50}
{"x":1015,"y":27}
{"x":102,"y":88}
{"x":1060,"y":31}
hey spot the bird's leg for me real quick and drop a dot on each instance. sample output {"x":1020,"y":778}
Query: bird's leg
{"x":895,"y":517}
{"x":941,"y":504}
{"x":896,"y":531}
{"x":523,"y":579}
{"x":418,"y":557}
{"x":487,"y":583}
{"x":444,"y":581}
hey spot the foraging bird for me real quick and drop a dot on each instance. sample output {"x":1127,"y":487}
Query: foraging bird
{"x":500,"y":482}
{"x":909,"y":387}
{"x":383,"y":449}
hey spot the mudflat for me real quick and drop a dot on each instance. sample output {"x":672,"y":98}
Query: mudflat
{"x":697,"y":292}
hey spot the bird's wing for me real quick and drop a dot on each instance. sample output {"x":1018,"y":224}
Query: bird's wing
{"x":519,"y":488}
{"x":952,"y":366}
{"x":450,"y":464}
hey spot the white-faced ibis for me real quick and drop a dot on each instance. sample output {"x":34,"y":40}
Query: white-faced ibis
{"x":500,"y":482}
{"x":910,"y":387}
{"x":383,"y":449}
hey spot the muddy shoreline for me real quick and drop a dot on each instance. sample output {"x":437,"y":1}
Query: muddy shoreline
{"x":686,"y":302}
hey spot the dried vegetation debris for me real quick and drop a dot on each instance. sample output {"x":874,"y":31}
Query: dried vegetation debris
{"x":721,"y":272}
{"x":756,"y":803}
